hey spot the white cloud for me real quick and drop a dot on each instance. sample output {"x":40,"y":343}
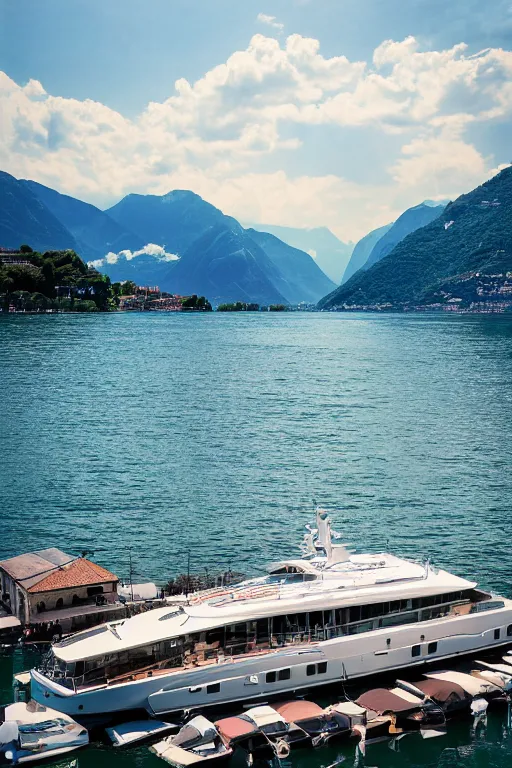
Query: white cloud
{"x":271,"y":21}
{"x":151,"y":249}
{"x":219,"y":134}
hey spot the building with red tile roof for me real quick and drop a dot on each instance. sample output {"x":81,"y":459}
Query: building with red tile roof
{"x":43,"y":586}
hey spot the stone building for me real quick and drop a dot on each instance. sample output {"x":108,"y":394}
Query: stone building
{"x":50,"y":585}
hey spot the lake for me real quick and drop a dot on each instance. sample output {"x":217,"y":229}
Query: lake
{"x":215,"y":434}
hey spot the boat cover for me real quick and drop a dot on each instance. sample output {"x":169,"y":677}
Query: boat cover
{"x":195,"y":733}
{"x":472,"y":685}
{"x":505,"y":668}
{"x":349,"y":708}
{"x":233,"y":728}
{"x":294,"y":711}
{"x":442,"y":691}
{"x":264,"y":716}
{"x":381,"y":700}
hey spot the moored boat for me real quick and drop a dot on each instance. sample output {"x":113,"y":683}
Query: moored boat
{"x":30,"y":732}
{"x":409,"y":711}
{"x":196,"y":743}
{"x":138,"y":731}
{"x":321,"y":725}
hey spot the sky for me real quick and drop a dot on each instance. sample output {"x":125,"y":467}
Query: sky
{"x":304,"y":113}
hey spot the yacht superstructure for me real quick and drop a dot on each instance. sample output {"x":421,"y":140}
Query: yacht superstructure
{"x":324,"y":617}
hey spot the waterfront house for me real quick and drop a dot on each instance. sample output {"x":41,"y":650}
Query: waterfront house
{"x":50,"y":585}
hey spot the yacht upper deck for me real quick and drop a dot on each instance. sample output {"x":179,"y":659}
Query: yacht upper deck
{"x":358,"y":581}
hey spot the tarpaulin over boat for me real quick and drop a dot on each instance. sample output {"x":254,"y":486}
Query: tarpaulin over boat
{"x":234,"y":728}
{"x":293,"y":711}
{"x":443,"y":691}
{"x":381,"y":700}
{"x":267,"y":719}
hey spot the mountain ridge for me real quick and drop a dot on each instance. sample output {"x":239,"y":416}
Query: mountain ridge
{"x":472,"y":236}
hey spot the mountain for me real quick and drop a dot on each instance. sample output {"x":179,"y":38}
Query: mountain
{"x":303,"y":278}
{"x":95,"y":232}
{"x":25,"y":219}
{"x":362,"y":251}
{"x":180,"y":221}
{"x":411,"y":220}
{"x":173,"y":220}
{"x":471,"y":239}
{"x":226,"y":265}
{"x":331,"y":254}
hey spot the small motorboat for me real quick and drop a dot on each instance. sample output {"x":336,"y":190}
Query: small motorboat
{"x":321,"y":725}
{"x":497,"y":674}
{"x":409,"y":710}
{"x":196,"y":742}
{"x":451,"y":697}
{"x":276,"y":729}
{"x":127,"y":734}
{"x":477,"y":687}
{"x":30,"y":732}
{"x":261,"y":731}
{"x":365,"y":725}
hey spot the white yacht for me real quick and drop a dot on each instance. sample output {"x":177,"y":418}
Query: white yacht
{"x":322,"y":618}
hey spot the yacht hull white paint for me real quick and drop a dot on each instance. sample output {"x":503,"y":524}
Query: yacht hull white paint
{"x":349,"y":657}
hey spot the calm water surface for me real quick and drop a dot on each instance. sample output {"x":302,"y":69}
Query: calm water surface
{"x":214,"y":434}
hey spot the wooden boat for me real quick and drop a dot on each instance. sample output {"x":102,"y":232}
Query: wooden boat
{"x":137,"y":731}
{"x":30,"y":732}
{"x":196,"y":742}
{"x":321,"y":725}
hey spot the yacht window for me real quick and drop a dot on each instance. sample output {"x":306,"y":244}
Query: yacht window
{"x":213,"y":688}
{"x":509,"y":630}
{"x":79,"y":668}
{"x":284,"y":674}
{"x":496,"y":634}
{"x":311,"y":670}
{"x":395,"y":621}
{"x":271,"y":677}
{"x":195,"y":689}
{"x":322,"y":668}
{"x":416,"y":650}
{"x":432,"y":648}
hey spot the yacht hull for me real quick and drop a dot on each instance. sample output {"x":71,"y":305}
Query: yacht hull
{"x":353,"y":657}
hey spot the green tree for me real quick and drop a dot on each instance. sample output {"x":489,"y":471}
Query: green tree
{"x":26,"y":249}
{"x":128,"y":288}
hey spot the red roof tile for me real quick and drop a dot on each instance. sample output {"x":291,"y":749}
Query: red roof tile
{"x":79,"y":573}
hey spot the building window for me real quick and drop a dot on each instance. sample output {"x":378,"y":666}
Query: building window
{"x":432,"y":648}
{"x":496,"y":634}
{"x":59,"y":603}
{"x":416,"y":650}
{"x":284,"y":674}
{"x":271,"y":677}
{"x":321,"y":668}
{"x":213,"y":688}
{"x":311,"y":670}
